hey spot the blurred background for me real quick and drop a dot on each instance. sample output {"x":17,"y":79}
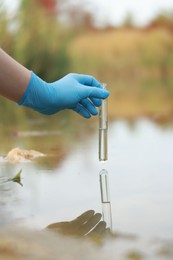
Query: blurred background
{"x":129,"y":46}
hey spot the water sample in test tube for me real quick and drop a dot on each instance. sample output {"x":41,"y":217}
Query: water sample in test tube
{"x":103,"y":129}
{"x":105,"y":198}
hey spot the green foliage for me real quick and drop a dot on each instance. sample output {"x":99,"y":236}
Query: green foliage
{"x":42,"y":43}
{"x":37,"y":41}
{"x":17,"y":178}
{"x":6,"y":37}
{"x":128,"y":22}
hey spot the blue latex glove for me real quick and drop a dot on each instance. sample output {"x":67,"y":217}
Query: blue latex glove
{"x":81,"y":93}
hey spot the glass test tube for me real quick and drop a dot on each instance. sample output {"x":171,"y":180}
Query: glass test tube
{"x":105,"y":198}
{"x":103,"y":128}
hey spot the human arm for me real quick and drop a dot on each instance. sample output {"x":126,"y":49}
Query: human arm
{"x":14,"y":78}
{"x":81,"y":93}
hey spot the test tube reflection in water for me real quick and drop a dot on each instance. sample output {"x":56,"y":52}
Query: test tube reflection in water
{"x":103,"y":128}
{"x":105,"y":198}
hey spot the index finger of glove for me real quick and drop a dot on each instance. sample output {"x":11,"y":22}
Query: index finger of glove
{"x":94,"y":92}
{"x":88,"y":80}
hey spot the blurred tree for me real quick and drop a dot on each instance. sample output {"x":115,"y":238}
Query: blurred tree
{"x":74,"y":14}
{"x":128,"y":21}
{"x":40,"y":42}
{"x":50,"y":5}
{"x":164,"y":19}
{"x":6,"y":39}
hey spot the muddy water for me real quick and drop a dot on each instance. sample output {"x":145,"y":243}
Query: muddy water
{"x":65,"y":183}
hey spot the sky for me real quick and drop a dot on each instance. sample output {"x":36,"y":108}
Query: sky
{"x":143,"y":11}
{"x":114,"y":11}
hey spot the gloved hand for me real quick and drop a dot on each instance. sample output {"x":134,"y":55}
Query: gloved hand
{"x":81,"y":93}
{"x":89,"y":223}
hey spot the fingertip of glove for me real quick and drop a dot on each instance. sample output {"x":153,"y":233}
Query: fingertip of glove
{"x":107,"y":93}
{"x":87,"y":116}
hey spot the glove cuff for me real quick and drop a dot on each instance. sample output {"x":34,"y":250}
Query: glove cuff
{"x":30,"y":97}
{"x":22,"y":100}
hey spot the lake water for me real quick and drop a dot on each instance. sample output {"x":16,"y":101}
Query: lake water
{"x":65,"y":183}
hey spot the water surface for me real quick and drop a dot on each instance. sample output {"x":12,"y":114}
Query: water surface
{"x":64,"y":184}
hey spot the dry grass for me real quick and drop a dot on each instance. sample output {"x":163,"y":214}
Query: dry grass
{"x":137,"y":65}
